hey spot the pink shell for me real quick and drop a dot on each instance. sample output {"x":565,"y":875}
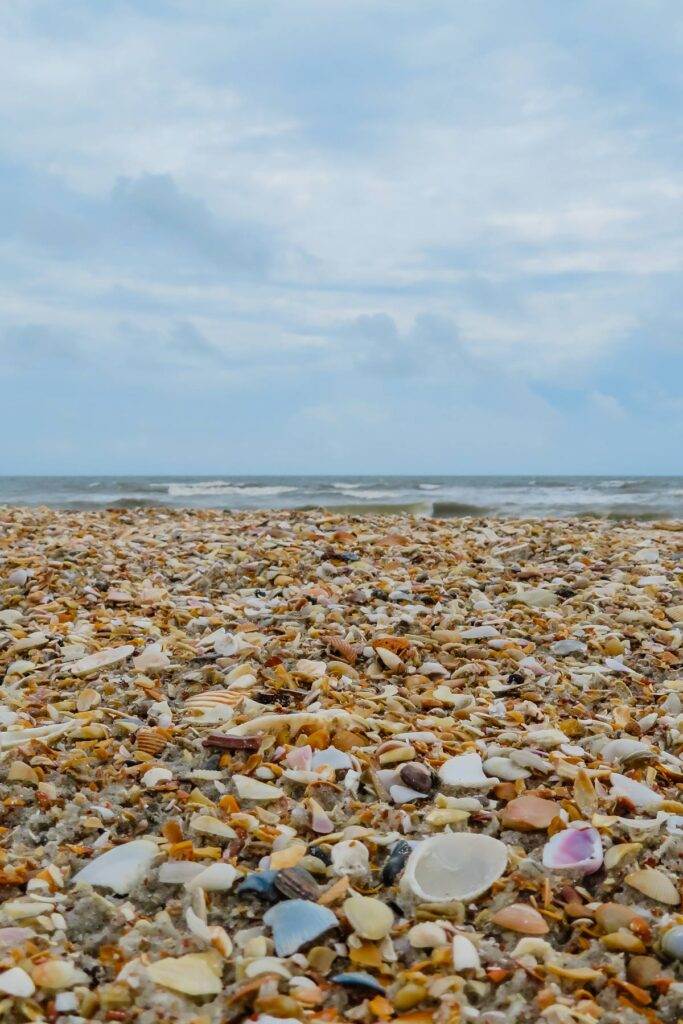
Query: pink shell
{"x":299,"y":758}
{"x":574,"y":849}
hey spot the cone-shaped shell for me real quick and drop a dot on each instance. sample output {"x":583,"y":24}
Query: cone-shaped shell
{"x":454,"y":866}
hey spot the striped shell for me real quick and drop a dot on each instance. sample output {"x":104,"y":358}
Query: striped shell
{"x":152,"y":741}
{"x":214,"y":698}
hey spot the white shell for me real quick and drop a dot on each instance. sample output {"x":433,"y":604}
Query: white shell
{"x":504,"y":768}
{"x":350,"y":858}
{"x":251,"y":789}
{"x":153,"y":776}
{"x":465,"y":772}
{"x":641,"y":796}
{"x":152,"y":659}
{"x":102,"y":659}
{"x":454,"y":866}
{"x":16,"y":982}
{"x":122,"y":868}
{"x":465,"y":955}
{"x":219,"y":877}
{"x":621,"y":750}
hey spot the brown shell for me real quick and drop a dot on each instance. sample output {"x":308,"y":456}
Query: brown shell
{"x":152,"y":741}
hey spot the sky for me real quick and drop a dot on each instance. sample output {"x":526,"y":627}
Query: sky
{"x":247,"y":236}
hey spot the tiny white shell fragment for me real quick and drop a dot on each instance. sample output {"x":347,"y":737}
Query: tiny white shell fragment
{"x":218,"y":877}
{"x":154,"y":776}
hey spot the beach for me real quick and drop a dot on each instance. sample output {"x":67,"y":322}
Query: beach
{"x":315,"y":765}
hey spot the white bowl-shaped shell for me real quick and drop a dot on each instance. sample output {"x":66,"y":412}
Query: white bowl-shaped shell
{"x":454,"y":866}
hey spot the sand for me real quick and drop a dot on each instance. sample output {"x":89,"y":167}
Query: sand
{"x":324,"y":767}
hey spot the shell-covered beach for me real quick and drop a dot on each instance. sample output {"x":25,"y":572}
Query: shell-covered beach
{"x":311,"y":766}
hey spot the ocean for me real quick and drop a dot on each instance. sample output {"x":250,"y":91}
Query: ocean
{"x":616,"y":497}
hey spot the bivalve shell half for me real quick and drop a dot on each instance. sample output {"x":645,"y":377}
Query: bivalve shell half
{"x":520,"y":917}
{"x":576,"y":850}
{"x":197,"y":974}
{"x":655,"y":885}
{"x":454,"y":866}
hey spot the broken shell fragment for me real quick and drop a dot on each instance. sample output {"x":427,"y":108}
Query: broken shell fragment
{"x":16,"y":982}
{"x":350,"y":858}
{"x":520,"y":917}
{"x":640,"y":795}
{"x":251,"y":789}
{"x":465,"y":772}
{"x":576,"y":850}
{"x":465,"y":955}
{"x":196,"y":974}
{"x":102,"y":659}
{"x":454,"y":866}
{"x":120,"y":869}
{"x":295,"y":923}
{"x":529,"y":813}
{"x":369,"y":917}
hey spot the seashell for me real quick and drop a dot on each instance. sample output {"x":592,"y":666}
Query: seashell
{"x":299,"y":757}
{"x":332,"y":758}
{"x":214,"y":698}
{"x":644,"y":970}
{"x":44,"y":733}
{"x":196,"y":974}
{"x":297,"y":883}
{"x":212,"y":934}
{"x":640,"y":795}
{"x":357,"y":979}
{"x":465,"y":772}
{"x":416,"y":776}
{"x":14,"y":937}
{"x":545,"y":739}
{"x":16,"y":982}
{"x":454,"y":866}
{"x":539,"y":949}
{"x":152,"y":659}
{"x":617,"y":853}
{"x":101,"y":659}
{"x":655,"y":885}
{"x":18,"y":577}
{"x":520,"y":917}
{"x":261,"y":883}
{"x":350,"y":858}
{"x":178,"y":872}
{"x":219,"y":877}
{"x":465,"y":955}
{"x":427,"y":935}
{"x":530,"y":759}
{"x":251,"y":789}
{"x":58,"y":974}
{"x":310,"y":670}
{"x":87,"y":699}
{"x":612,"y":917}
{"x":529,"y":813}
{"x":267,"y":965}
{"x":120,"y":869}
{"x":584,"y":793}
{"x":320,"y":819}
{"x":672,"y":942}
{"x":535,"y":598}
{"x":369,"y":917}
{"x":294,"y":923}
{"x":561,"y":648}
{"x":154,"y":776}
{"x":388,"y":658}
{"x":626,"y":751}
{"x":504,"y":768}
{"x":207,"y":825}
{"x":395,"y":862}
{"x":574,"y":849}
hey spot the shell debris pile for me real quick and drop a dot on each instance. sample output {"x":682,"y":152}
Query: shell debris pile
{"x":308,"y":766}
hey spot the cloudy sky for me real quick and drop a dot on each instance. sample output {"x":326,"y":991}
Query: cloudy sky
{"x":341,"y":236}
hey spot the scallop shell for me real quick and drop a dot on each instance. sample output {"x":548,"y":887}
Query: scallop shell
{"x":294,"y":923}
{"x":151,"y":741}
{"x":454,"y":866}
{"x":212,"y":698}
{"x":576,"y":850}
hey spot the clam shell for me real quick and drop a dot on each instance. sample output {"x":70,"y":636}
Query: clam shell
{"x":626,"y":751}
{"x":120,"y":869}
{"x":576,"y":850}
{"x":520,"y":917}
{"x":294,"y":923}
{"x":454,"y":866}
{"x":251,"y":789}
{"x":655,"y":885}
{"x":152,"y":741}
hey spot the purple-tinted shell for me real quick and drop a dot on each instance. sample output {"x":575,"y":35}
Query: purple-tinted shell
{"x":574,"y":849}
